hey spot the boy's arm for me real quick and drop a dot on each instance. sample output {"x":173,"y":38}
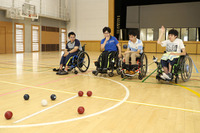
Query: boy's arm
{"x":120,"y":51}
{"x":182,"y":53}
{"x":74,"y":49}
{"x":161,"y":35}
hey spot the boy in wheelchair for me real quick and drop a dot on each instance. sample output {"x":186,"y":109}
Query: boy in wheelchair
{"x":174,"y":49}
{"x":134,"y":50}
{"x":112,"y":50}
{"x":72,"y":48}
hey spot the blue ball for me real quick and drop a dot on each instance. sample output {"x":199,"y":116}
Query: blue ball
{"x":26,"y":97}
{"x":125,"y":46}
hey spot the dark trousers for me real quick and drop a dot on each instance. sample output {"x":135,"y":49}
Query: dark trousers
{"x":105,"y":58}
{"x":66,"y":60}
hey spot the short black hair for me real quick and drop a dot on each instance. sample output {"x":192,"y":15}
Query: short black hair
{"x":132,"y":33}
{"x":106,"y":29}
{"x":173,"y":32}
{"x":71,"y":33}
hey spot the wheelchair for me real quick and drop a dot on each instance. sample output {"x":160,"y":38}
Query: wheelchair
{"x":141,"y":70}
{"x":80,"y":61}
{"x":183,"y":66}
{"x":114,"y":64}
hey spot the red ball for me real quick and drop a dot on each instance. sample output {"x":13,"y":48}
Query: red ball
{"x":8,"y":115}
{"x":89,"y":93}
{"x":81,"y":110}
{"x":80,"y":93}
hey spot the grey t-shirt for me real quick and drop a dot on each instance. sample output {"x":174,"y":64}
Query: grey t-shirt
{"x":70,"y":45}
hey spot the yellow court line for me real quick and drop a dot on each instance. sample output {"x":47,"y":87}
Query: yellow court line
{"x":194,"y":92}
{"x":110,"y":99}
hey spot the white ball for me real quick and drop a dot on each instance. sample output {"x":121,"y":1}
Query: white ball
{"x":44,"y":102}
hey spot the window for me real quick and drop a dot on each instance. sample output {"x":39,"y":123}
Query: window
{"x":63,"y":38}
{"x":143,"y":34}
{"x":184,"y":34}
{"x":19,"y":38}
{"x":150,"y":34}
{"x":146,"y":34}
{"x":35,"y":38}
{"x":192,"y":34}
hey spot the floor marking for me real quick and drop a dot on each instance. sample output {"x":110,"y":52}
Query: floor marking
{"x":194,"y":92}
{"x":78,"y":118}
{"x":45,"y":109}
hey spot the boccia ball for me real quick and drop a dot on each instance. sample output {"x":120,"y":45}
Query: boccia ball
{"x":26,"y":97}
{"x":125,"y":46}
{"x":53,"y":97}
{"x":81,"y":110}
{"x":89,"y":93}
{"x":8,"y":115}
{"x":80,"y":93}
{"x":44,"y":102}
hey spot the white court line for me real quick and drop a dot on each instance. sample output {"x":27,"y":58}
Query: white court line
{"x":45,"y":109}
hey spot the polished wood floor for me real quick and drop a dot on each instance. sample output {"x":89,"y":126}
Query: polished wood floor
{"x":116,"y":106}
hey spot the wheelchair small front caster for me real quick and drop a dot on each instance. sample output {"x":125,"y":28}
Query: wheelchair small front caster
{"x":119,"y":72}
{"x":176,"y":80}
{"x":110,"y":74}
{"x":95,"y":72}
{"x":122,"y":75}
{"x":140,"y":77}
{"x":75,"y":72}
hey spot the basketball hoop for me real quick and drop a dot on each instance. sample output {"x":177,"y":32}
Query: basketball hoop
{"x":29,"y":11}
{"x":33,"y":16}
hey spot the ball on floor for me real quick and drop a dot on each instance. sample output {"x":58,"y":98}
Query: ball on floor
{"x":26,"y":97}
{"x":80,"y":93}
{"x":81,"y":110}
{"x":89,"y":93}
{"x":8,"y":115}
{"x":44,"y":102}
{"x":53,"y":97}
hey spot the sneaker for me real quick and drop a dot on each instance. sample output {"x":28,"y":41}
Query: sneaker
{"x":127,"y":71}
{"x":167,"y":76}
{"x":132,"y":72}
{"x":59,"y":71}
{"x":162,"y":77}
{"x":63,"y":73}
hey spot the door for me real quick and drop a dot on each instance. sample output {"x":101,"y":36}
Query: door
{"x":2,"y":40}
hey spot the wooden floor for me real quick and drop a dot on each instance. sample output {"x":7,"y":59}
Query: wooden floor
{"x":117,"y":106}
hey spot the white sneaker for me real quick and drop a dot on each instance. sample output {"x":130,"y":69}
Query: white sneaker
{"x":162,"y":77}
{"x":166,"y":76}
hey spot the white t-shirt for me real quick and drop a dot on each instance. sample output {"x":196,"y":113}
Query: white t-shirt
{"x":135,"y":46}
{"x":174,"y":46}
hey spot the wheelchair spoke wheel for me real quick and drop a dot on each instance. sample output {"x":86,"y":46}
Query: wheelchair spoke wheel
{"x":83,"y":62}
{"x":186,"y":68}
{"x":144,"y":65}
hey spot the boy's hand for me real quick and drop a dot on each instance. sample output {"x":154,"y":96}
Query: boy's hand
{"x":66,"y":53}
{"x":163,"y":29}
{"x":107,"y":38}
{"x":126,"y":52}
{"x":119,"y":55}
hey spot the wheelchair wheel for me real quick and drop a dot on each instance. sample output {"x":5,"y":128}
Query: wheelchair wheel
{"x":143,"y":65}
{"x":95,"y":72}
{"x":110,"y":74}
{"x":83,"y":62}
{"x":186,"y":68}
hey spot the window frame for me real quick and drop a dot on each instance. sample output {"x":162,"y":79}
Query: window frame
{"x":23,"y":37}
